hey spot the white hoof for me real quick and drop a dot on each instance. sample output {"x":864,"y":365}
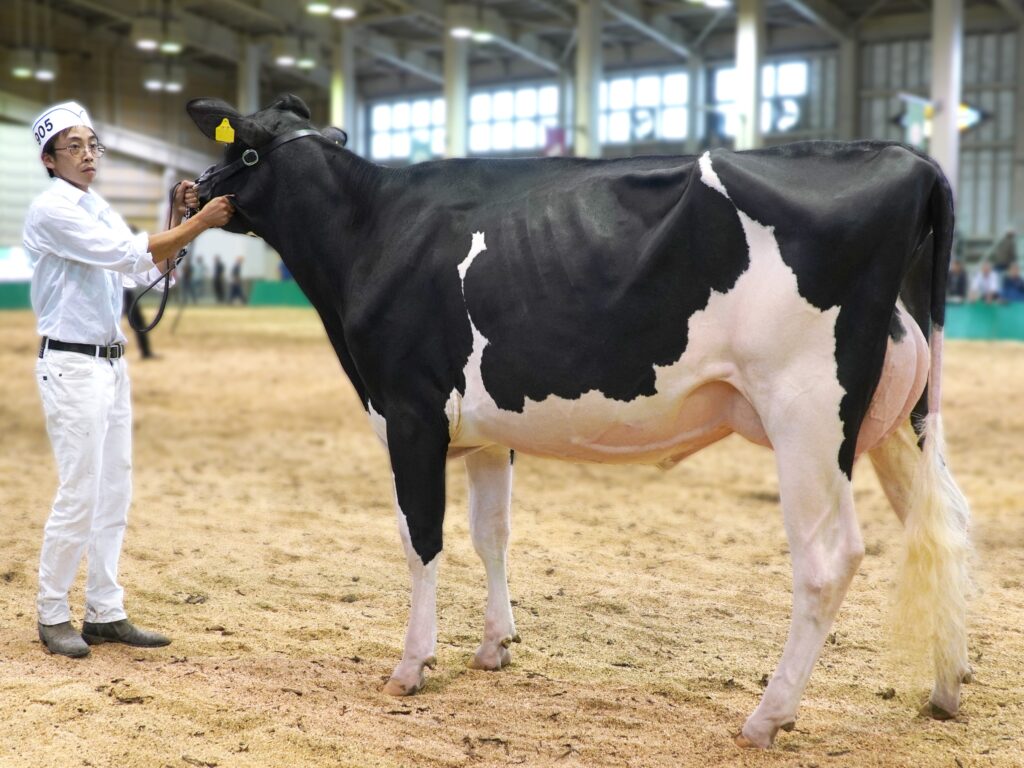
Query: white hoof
{"x":408,"y":677}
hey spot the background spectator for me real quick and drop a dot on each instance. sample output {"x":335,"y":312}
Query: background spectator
{"x":985,"y":285}
{"x":218,"y":279}
{"x":1013,"y":284}
{"x":236,"y":282}
{"x":1005,"y":252}
{"x":956,"y":285}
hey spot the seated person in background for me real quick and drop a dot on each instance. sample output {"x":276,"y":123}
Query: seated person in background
{"x":956,"y":283}
{"x":1013,"y":284}
{"x":985,"y":285}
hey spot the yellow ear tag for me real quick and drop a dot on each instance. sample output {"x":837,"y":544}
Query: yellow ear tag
{"x":225,"y":133}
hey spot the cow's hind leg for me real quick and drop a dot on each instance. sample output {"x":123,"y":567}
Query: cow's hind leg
{"x":826,"y":549}
{"x":490,"y":496}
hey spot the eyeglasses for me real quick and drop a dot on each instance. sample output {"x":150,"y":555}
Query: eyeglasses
{"x":77,"y":149}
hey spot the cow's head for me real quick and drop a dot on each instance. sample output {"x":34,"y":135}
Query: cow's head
{"x":247,"y":166}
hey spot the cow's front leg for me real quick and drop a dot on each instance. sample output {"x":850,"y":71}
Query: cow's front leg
{"x":418,"y":450}
{"x":490,"y":497}
{"x":826,"y":549}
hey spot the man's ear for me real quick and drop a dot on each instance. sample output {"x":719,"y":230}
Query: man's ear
{"x":49,"y":161}
{"x":209,"y":115}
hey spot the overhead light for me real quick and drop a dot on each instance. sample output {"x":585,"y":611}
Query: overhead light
{"x":46,"y":66}
{"x":318,"y":9}
{"x":175,"y":80}
{"x":307,"y":56}
{"x":172,"y":41}
{"x":146,"y":33}
{"x":462,"y":33}
{"x":482,"y":36}
{"x":345,"y":11}
{"x":153,"y":77}
{"x":23,"y":63}
{"x":465,"y":22}
{"x":285,"y":51}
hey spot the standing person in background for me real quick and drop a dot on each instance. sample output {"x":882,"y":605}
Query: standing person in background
{"x":82,"y":253}
{"x":1005,"y":251}
{"x":200,"y":277}
{"x":218,"y":279}
{"x":236,"y":282}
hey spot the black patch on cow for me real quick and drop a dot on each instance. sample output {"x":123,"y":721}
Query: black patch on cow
{"x":591,"y":276}
{"x":850,"y":242}
{"x":896,"y":330}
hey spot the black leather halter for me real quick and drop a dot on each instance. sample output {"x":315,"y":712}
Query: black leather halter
{"x":251,"y":157}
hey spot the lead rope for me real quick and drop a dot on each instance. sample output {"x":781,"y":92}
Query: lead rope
{"x":166,"y":276}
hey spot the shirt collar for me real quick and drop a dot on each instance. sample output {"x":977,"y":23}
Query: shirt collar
{"x":74,"y":195}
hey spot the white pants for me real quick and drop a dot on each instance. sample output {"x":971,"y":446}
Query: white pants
{"x":87,"y":401}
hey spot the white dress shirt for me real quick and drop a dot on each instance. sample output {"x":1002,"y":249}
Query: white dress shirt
{"x":83,"y":255}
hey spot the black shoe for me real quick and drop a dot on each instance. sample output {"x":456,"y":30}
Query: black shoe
{"x":63,"y":640}
{"x":122,"y":631}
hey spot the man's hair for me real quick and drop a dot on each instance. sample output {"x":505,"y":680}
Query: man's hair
{"x":48,"y":147}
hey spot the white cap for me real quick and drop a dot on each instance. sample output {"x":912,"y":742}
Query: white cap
{"x":58,"y":117}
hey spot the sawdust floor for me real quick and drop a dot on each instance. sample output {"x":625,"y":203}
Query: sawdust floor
{"x":650,"y":604}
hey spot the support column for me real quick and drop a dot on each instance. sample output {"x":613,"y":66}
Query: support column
{"x":697,"y":107}
{"x":947,"y":64}
{"x":342,"y":110}
{"x":848,"y":85}
{"x":749,"y":52}
{"x":456,"y":94}
{"x":589,"y":66}
{"x":249,"y":78}
{"x":1017,"y":211}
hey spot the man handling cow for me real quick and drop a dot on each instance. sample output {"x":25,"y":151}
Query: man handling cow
{"x":82,"y":254}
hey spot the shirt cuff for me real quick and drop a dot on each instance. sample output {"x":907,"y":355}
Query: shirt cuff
{"x":144,"y":259}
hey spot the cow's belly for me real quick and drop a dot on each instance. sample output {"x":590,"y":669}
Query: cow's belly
{"x":661,"y":429}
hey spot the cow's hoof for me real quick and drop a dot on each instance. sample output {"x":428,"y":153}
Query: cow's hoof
{"x":967,"y":677}
{"x":744,"y":743}
{"x":935,"y":712}
{"x":492,"y":656}
{"x":760,"y":742}
{"x":408,"y":677}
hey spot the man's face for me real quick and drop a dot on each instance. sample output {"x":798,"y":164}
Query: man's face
{"x":79,"y":170}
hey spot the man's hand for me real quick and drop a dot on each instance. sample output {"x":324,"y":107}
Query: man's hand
{"x":217,"y":212}
{"x":185,"y":196}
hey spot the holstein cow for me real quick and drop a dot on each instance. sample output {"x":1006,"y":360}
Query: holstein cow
{"x":633,"y":310}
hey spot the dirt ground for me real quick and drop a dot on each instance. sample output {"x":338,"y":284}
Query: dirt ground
{"x":651,"y":604}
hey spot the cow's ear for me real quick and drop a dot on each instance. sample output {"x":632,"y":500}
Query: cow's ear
{"x":336,"y":135}
{"x":289,"y":102}
{"x":210,"y":115}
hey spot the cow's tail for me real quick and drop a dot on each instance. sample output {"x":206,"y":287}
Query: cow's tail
{"x":934,"y":583}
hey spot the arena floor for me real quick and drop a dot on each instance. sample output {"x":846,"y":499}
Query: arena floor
{"x":651,"y":604}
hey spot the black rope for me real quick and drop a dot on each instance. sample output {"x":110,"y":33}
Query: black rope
{"x":166,"y":276}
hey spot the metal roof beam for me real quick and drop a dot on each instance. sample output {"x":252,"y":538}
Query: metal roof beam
{"x":824,"y":14}
{"x":385,"y":49}
{"x":660,"y":27}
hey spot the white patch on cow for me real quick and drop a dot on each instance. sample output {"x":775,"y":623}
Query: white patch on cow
{"x":708,"y":175}
{"x":378,"y":423}
{"x":753,"y":355}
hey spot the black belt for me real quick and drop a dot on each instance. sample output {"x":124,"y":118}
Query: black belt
{"x":113,"y":352}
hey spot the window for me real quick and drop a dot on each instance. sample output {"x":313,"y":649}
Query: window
{"x":407,"y":130}
{"x":784,"y":87}
{"x":511,"y":119}
{"x":645,"y":107}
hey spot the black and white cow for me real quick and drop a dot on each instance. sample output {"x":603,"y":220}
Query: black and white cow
{"x":633,"y":310}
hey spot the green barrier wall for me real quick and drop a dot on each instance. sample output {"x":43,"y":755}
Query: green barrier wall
{"x":963,"y":321}
{"x":14,"y":296}
{"x":267,"y":293}
{"x":985,"y":321}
